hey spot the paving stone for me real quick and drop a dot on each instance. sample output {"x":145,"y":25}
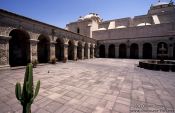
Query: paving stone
{"x":121,"y":108}
{"x":96,"y":85}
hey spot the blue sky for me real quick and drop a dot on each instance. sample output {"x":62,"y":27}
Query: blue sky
{"x":61,"y":12}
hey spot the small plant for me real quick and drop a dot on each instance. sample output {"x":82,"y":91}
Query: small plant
{"x":53,"y":61}
{"x":34,"y":62}
{"x":64,"y":59}
{"x":27,"y":95}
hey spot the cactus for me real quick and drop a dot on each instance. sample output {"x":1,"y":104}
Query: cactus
{"x":27,"y":95}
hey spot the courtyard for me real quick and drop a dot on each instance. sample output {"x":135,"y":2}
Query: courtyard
{"x":93,"y":86}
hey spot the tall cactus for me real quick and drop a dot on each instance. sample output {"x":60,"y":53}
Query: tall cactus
{"x":27,"y":95}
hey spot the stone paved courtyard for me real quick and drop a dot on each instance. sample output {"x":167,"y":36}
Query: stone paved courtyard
{"x":93,"y":86}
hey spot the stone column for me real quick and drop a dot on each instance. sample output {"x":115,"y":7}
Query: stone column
{"x":82,"y":51}
{"x":93,"y":51}
{"x":141,"y":50}
{"x":88,"y":54}
{"x":116,"y":50}
{"x":75,"y":50}
{"x":52,"y":50}
{"x":65,"y":48}
{"x":170,"y":51}
{"x":128,"y":51}
{"x":154,"y":53}
{"x":106,"y":50}
{"x":33,"y":50}
{"x":4,"y":50}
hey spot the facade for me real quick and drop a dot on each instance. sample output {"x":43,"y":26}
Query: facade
{"x":23,"y":40}
{"x":138,"y":37}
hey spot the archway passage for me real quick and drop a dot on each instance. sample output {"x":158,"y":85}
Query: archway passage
{"x":111,"y":50}
{"x":147,"y":51}
{"x":102,"y":51}
{"x":79,"y":50}
{"x":86,"y":51}
{"x":43,"y":49}
{"x":19,"y":48}
{"x":134,"y":51}
{"x":70,"y":50}
{"x":122,"y":51}
{"x":159,"y":46}
{"x":59,"y":50}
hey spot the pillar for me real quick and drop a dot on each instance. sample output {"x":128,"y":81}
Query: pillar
{"x":154,"y":53}
{"x":128,"y":51}
{"x":65,"y":48}
{"x":93,"y":51}
{"x":75,"y":50}
{"x":140,"y":50}
{"x":4,"y":50}
{"x":97,"y":52}
{"x":106,"y":50}
{"x":116,"y":51}
{"x":82,"y":52}
{"x":52,"y":50}
{"x":88,"y":51}
{"x":170,"y":51}
{"x":33,"y":50}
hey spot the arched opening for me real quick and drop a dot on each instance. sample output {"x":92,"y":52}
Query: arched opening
{"x":79,"y":50}
{"x":71,"y":50}
{"x":134,"y":51}
{"x":159,"y":46}
{"x":19,"y":48}
{"x":147,"y":51}
{"x":59,"y":50}
{"x":111,"y":50}
{"x":102,"y":51}
{"x":86,"y":51}
{"x":91,"y":51}
{"x":174,"y":51}
{"x":43,"y":49}
{"x":78,"y":30}
{"x":122,"y":51}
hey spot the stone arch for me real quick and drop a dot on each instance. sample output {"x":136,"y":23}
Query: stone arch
{"x":122,"y":51}
{"x":43,"y":49}
{"x":19,"y":48}
{"x":59,"y":49}
{"x":159,"y":45}
{"x":134,"y":51}
{"x":102,"y":51}
{"x":91,"y":50}
{"x":147,"y":51}
{"x":70,"y":50}
{"x":111,"y":51}
{"x":86,"y":50}
{"x":79,"y":50}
